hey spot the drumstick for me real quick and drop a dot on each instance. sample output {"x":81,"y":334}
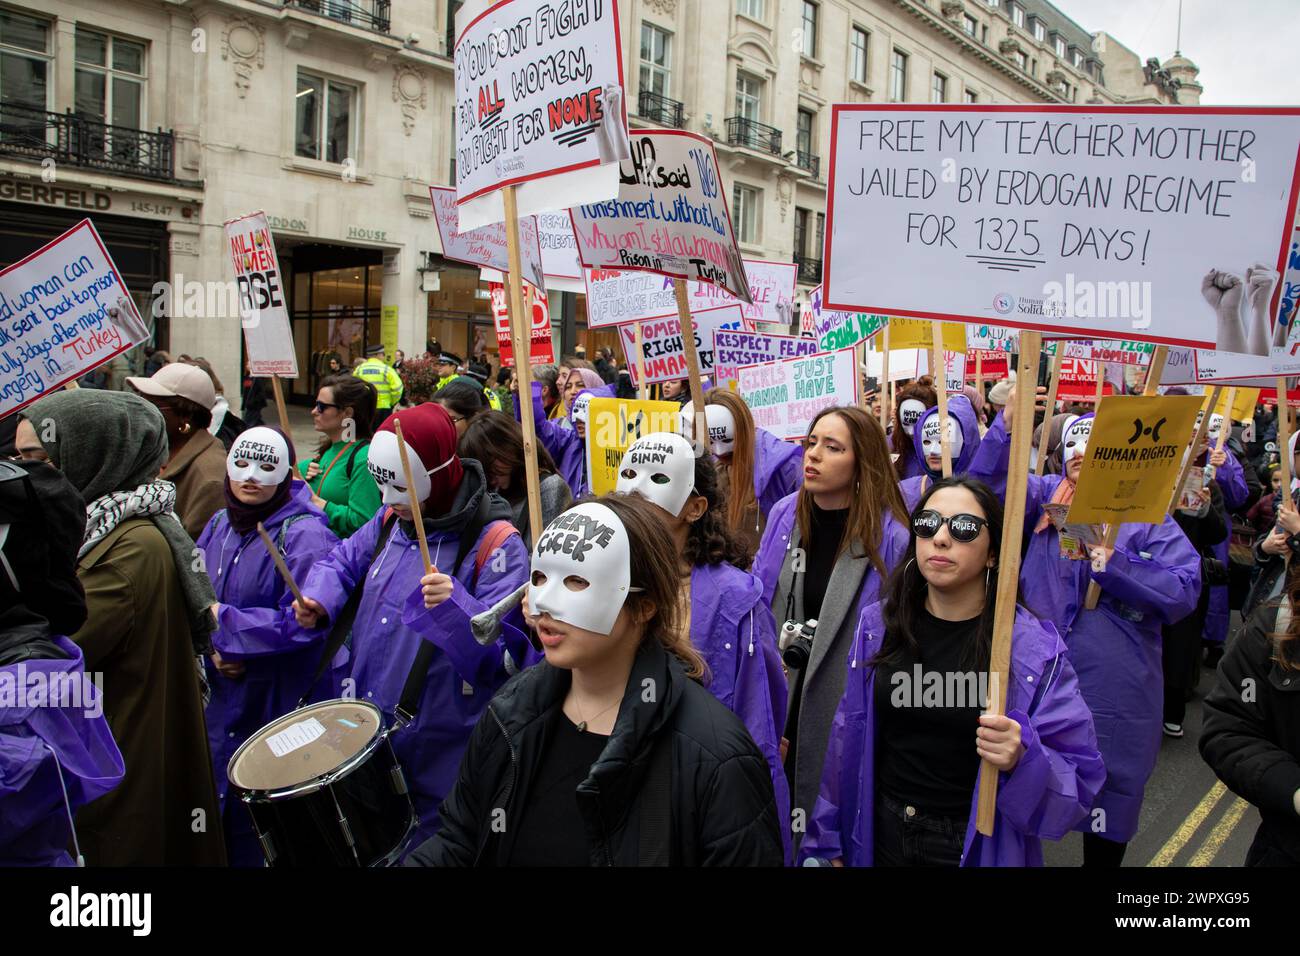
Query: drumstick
{"x":280,"y":565}
{"x":415,"y":504}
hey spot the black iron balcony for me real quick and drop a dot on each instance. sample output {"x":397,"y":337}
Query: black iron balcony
{"x":79,"y":141}
{"x":810,"y":270}
{"x":368,"y":14}
{"x":753,"y":134}
{"x":809,"y":162}
{"x":659,"y":109}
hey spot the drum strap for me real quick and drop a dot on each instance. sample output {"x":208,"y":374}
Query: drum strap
{"x":655,"y":836}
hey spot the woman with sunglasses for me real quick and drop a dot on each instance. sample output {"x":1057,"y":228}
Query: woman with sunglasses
{"x":901,"y":782}
{"x":927,"y":446}
{"x":825,"y":552}
{"x":1151,"y":578}
{"x":337,"y":475}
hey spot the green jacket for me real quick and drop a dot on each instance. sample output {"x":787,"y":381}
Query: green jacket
{"x":350,"y":500}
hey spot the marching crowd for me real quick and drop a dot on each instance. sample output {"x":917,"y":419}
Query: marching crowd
{"x":753,"y":652}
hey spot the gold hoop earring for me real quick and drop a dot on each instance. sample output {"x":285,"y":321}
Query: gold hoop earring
{"x":185,"y":429}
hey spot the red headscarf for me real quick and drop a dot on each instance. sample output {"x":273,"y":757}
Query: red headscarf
{"x":429,"y":432}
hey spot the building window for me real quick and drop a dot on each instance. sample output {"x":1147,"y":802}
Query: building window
{"x":25,"y":61}
{"x":749,"y":97}
{"x":746,"y":199}
{"x":898,"y":77}
{"x":1078,"y":59}
{"x":754,"y":9}
{"x":1022,"y":61}
{"x":110,"y":77}
{"x":656,"y":60}
{"x":326,"y":119}
{"x":1059,"y":44}
{"x":804,"y":134}
{"x":809,"y":29}
{"x":969,"y":24}
{"x":939,"y":89}
{"x":1040,"y":31}
{"x":984,"y":34}
{"x":858,"y":59}
{"x":801,"y":217}
{"x":995,"y":3}
{"x":1018,"y":16}
{"x":972,"y":96}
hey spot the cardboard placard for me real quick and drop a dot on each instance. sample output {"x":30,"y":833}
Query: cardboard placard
{"x":663,"y":349}
{"x":541,"y":347}
{"x":1114,"y":351}
{"x":487,"y":246}
{"x":1079,"y":381}
{"x":614,"y":425}
{"x":785,"y":396}
{"x":262,"y":303}
{"x":837,"y":330}
{"x":993,"y":364}
{"x":992,"y":338}
{"x":616,"y":297}
{"x":919,"y":334}
{"x":732,"y":349}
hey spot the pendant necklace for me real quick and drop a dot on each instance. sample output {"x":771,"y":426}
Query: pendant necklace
{"x":582,"y":727}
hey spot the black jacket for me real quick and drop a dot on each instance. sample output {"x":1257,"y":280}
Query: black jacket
{"x":1251,"y":735}
{"x":720,"y":802}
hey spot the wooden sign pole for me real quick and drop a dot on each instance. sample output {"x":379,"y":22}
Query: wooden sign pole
{"x":642,"y":389}
{"x":280,"y":566}
{"x":1284,"y":441}
{"x":860,"y":360}
{"x":1101,"y":383}
{"x":886,"y":398}
{"x":979,"y":371}
{"x":279,"y":404}
{"x":1013,"y":529}
{"x":939,"y":370}
{"x":520,"y":337}
{"x":1053,"y":387}
{"x":692,"y":360}
{"x":1202,"y":430}
{"x":416,"y":517}
{"x":1226,"y":427}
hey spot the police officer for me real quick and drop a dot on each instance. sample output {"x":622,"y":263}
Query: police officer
{"x":387,"y":383}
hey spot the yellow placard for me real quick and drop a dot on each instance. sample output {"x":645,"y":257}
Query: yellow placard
{"x":916,"y":334}
{"x":1243,"y":402}
{"x":1135,"y":453}
{"x":613,"y":424}
{"x":388,"y":331}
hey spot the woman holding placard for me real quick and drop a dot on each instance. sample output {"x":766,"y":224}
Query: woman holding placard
{"x":910,"y":403}
{"x":900,"y":784}
{"x":256,"y":671}
{"x":1151,"y":578}
{"x":477,"y":560}
{"x":927,"y":446}
{"x":826,"y":551}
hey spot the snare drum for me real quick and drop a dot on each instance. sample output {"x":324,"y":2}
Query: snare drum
{"x":324,"y":787}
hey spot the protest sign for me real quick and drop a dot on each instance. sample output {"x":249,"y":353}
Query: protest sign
{"x":64,"y":310}
{"x":539,"y":106}
{"x":903,"y":364}
{"x":992,"y":338}
{"x":670,"y":216}
{"x":261,"y":297}
{"x":990,"y":363}
{"x":616,"y":297}
{"x":1243,"y":405}
{"x":1135,"y":454}
{"x":487,"y":246}
{"x":732,"y":348}
{"x":613,"y":425}
{"x":771,"y":291}
{"x":1074,"y":220}
{"x":663,"y":349}
{"x":1079,"y":381}
{"x":836,"y":330}
{"x":1109,"y":350}
{"x":955,"y":368}
{"x":541,"y":350}
{"x":785,"y":396}
{"x":919,"y":334}
{"x":1199,"y":366}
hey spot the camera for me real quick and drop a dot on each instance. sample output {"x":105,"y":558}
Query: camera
{"x":796,"y":643}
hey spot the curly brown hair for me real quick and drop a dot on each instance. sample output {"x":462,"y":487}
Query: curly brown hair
{"x":711,"y":540}
{"x":923,"y":391}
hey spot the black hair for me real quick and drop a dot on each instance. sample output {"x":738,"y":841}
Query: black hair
{"x":462,"y":398}
{"x":358,"y":395}
{"x":710,"y":540}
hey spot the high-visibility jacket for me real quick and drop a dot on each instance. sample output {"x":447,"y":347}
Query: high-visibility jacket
{"x":384,"y":378}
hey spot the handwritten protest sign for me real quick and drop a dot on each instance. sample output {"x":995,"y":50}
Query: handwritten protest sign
{"x":616,"y":297}
{"x":54,"y":316}
{"x":731,"y":349}
{"x":539,"y":105}
{"x":541,"y":348}
{"x":903,"y":364}
{"x":992,"y":338}
{"x":1244,"y":401}
{"x":559,"y":247}
{"x":836,"y":330}
{"x":1074,"y":221}
{"x":955,"y":367}
{"x":1109,"y":350}
{"x":661,"y":344}
{"x":613,"y":425}
{"x":262,"y":309}
{"x":486,"y":246}
{"x":785,"y":396}
{"x":670,"y":216}
{"x":1135,"y":454}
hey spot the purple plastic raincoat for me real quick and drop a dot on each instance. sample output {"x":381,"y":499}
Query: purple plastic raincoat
{"x":959,"y":407}
{"x":778,"y":469}
{"x":562,"y":441}
{"x":1233,"y":485}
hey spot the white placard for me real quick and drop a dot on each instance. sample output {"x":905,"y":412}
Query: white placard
{"x":54,"y":316}
{"x":670,"y":215}
{"x":661,"y":343}
{"x":295,"y":736}
{"x":262,"y":309}
{"x":954,"y":374}
{"x":616,"y":297}
{"x":733,"y":348}
{"x":486,"y":246}
{"x":785,"y":396}
{"x":539,"y":105}
{"x":992,"y":338}
{"x":1095,"y":221}
{"x":559,"y":248}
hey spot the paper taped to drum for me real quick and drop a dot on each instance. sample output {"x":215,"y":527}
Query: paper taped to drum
{"x":295,"y":736}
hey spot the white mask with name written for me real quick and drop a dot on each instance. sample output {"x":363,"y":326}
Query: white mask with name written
{"x":582,"y":569}
{"x":910,"y":411}
{"x":260,"y":455}
{"x":1074,"y":439}
{"x":385,"y":464}
{"x":659,"y":468}
{"x":721,"y":424}
{"x":932,"y":443}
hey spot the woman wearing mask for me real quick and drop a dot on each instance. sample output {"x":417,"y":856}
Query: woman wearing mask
{"x":910,"y":403}
{"x":196,"y":461}
{"x":1151,"y":578}
{"x":478,"y":560}
{"x":1055,"y":429}
{"x":495,"y":440}
{"x":901,"y":783}
{"x":256,"y":672}
{"x":927,"y":445}
{"x":721,"y":608}
{"x":592,"y":769}
{"x":825,"y":552}
{"x":337,"y":475}
{"x":566,"y":440}
{"x":148,"y":616}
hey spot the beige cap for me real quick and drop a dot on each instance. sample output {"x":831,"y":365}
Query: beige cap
{"x":178,"y":380}
{"x":1000,"y":393}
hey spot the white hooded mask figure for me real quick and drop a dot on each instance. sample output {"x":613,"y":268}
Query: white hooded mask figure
{"x":910,"y":411}
{"x":661,"y":469}
{"x":1216,"y":427}
{"x":259,"y":455}
{"x":578,"y":414}
{"x":932,"y":442}
{"x":582,"y":569}
{"x":721,"y":424}
{"x":1074,"y":438}
{"x":385,"y":464}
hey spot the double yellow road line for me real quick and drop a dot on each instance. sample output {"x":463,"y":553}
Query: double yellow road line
{"x":1217,"y":836}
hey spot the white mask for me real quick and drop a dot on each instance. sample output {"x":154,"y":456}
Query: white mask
{"x":579,"y":411}
{"x":910,"y":411}
{"x":659,"y":468}
{"x":588,"y":542}
{"x":932,"y":444}
{"x":1216,"y":426}
{"x":721,"y":424}
{"x":260,"y":455}
{"x":1074,"y":439}
{"x":385,"y":464}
